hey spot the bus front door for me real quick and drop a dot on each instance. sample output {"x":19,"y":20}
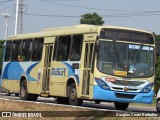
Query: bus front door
{"x":47,"y":67}
{"x":87,"y":67}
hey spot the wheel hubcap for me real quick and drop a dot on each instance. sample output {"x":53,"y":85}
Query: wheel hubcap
{"x":22,"y":91}
{"x":73,"y":94}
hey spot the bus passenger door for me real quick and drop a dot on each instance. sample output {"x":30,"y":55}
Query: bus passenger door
{"x":89,"y":46}
{"x":47,"y":67}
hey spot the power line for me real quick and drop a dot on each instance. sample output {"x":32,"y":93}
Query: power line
{"x":7,"y":0}
{"x":64,"y":0}
{"x":103,"y":9}
{"x":3,"y":2}
{"x":131,"y":15}
{"x":40,"y":15}
{"x":8,"y":20}
{"x":7,"y":7}
{"x":114,"y":15}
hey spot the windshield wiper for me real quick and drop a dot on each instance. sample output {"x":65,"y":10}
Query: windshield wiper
{"x":137,"y":52}
{"x":115,"y":50}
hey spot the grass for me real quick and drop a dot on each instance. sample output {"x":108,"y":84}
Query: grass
{"x":145,"y":105}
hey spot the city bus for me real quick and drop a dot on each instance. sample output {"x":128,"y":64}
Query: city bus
{"x":83,"y":62}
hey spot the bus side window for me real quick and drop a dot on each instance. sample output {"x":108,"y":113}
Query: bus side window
{"x":37,"y":49}
{"x":63,"y":48}
{"x":16,"y":50}
{"x":55,"y":49}
{"x":26,"y":51}
{"x":8,"y":50}
{"x":76,"y":48}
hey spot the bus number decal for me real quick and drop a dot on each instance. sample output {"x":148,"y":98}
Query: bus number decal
{"x":58,"y":72}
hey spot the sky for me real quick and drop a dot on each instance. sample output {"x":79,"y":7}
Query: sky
{"x":41,"y":14}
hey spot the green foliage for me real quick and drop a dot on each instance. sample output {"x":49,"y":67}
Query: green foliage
{"x":157,"y":37}
{"x":157,"y":78}
{"x":1,"y":53}
{"x":92,"y":19}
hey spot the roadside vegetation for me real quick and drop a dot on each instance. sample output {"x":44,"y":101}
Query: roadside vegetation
{"x":145,"y":105}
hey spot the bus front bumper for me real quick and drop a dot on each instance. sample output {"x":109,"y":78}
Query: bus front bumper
{"x":119,"y":96}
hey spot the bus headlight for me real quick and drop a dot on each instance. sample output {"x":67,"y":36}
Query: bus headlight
{"x":147,"y":88}
{"x":102,"y":84}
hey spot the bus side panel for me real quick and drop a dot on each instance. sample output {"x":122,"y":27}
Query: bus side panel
{"x":13,"y":71}
{"x":58,"y":78}
{"x":60,"y":73}
{"x":36,"y":72}
{"x":10,"y":76}
{"x":11,"y":85}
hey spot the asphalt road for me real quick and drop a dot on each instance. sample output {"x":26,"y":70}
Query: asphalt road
{"x":90,"y":104}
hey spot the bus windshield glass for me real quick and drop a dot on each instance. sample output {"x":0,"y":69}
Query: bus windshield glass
{"x":127,"y":60}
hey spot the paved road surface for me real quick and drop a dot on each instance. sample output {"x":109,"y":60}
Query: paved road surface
{"x":88,"y":104}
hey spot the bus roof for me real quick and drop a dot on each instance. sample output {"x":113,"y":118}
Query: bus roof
{"x":78,"y":29}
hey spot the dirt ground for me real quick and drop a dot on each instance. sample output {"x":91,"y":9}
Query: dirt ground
{"x":29,"y":107}
{"x":17,"y":106}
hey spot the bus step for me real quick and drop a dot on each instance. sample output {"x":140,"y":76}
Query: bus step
{"x":44,"y":95}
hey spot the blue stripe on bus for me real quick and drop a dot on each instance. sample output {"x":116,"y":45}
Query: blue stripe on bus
{"x":13,"y":71}
{"x":30,"y":68}
{"x":71,"y":72}
{"x":5,"y":73}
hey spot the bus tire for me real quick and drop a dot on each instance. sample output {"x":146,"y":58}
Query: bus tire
{"x":62,"y":100}
{"x":97,"y":101}
{"x":16,"y":94}
{"x":157,"y":106}
{"x":8,"y":93}
{"x":33,"y":97}
{"x":24,"y":95}
{"x":121,"y":106}
{"x":73,"y":100}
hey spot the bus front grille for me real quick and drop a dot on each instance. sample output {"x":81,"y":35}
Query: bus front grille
{"x":129,"y":89}
{"x":128,"y":96}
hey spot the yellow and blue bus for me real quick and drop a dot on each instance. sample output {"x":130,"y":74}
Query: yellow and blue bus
{"x":83,"y":62}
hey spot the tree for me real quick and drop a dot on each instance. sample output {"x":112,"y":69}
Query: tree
{"x":92,"y":19}
{"x":1,"y":53}
{"x":157,"y":78}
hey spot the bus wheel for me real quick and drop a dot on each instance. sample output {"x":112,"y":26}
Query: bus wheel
{"x":73,"y":100}
{"x":97,"y":102}
{"x":62,"y":100}
{"x":8,"y":93}
{"x":158,"y":105}
{"x":33,"y":97}
{"x":121,"y":106}
{"x":23,"y":91}
{"x":16,"y":94}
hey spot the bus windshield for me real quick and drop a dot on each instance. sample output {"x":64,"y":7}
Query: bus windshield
{"x":127,"y":60}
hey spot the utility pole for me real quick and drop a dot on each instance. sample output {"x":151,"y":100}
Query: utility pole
{"x":6,"y":15}
{"x":16,"y":22}
{"x":19,"y":17}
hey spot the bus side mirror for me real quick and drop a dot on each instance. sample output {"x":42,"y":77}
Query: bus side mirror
{"x":97,"y":47}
